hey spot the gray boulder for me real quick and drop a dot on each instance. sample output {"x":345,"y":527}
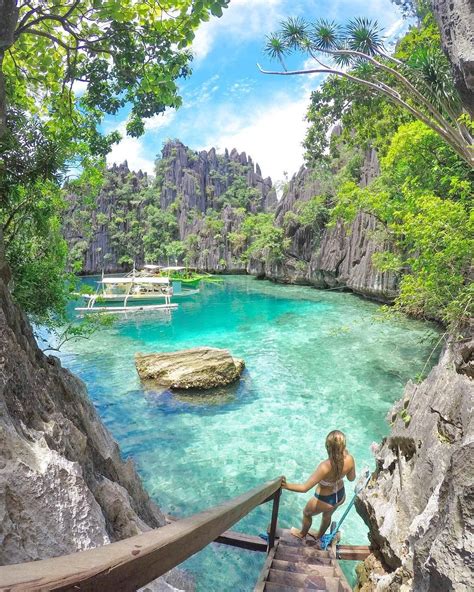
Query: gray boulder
{"x":197,"y":368}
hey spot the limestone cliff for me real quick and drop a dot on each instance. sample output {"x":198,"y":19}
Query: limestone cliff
{"x":328,"y":257}
{"x":456,"y":23}
{"x":208,"y":196}
{"x":420,"y":504}
{"x":118,"y":229}
{"x":63,"y":484}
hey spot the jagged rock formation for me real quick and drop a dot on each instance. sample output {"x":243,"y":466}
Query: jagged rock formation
{"x":188,"y":184}
{"x":197,"y":368}
{"x":338,"y":256}
{"x":420,"y":505}
{"x":201,"y":192}
{"x":63,"y":485}
{"x":456,"y":22}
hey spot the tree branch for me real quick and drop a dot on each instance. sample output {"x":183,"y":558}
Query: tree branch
{"x":454,"y":142}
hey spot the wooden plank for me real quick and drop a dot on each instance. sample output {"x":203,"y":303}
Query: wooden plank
{"x":281,"y":588}
{"x":302,"y":567}
{"x":306,"y":581}
{"x":343,"y":583}
{"x":260,"y":585}
{"x":273,"y":523}
{"x":352,"y":552}
{"x":242,"y":541}
{"x":312,"y":560}
{"x":235,"y":539}
{"x":129,"y":564}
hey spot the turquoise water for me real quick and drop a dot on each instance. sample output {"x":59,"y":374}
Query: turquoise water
{"x":315,"y":361}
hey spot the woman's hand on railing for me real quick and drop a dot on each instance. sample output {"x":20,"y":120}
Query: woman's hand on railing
{"x":283,"y":482}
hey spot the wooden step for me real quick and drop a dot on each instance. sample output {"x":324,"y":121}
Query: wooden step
{"x":283,"y":555}
{"x":274,"y":587}
{"x":303,"y":550}
{"x":302,"y":567}
{"x":305,"y":581}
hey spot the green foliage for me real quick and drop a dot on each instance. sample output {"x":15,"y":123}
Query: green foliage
{"x":239,"y":194}
{"x":422,"y":199}
{"x":313,"y":212}
{"x":418,"y":160}
{"x":99,"y":43}
{"x":30,"y":205}
{"x":75,"y":331}
{"x":267,"y":241}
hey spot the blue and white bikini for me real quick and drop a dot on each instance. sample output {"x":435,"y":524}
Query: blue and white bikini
{"x":334,"y":498}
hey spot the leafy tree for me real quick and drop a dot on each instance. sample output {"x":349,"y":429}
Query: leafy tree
{"x":266,"y":240}
{"x":421,"y":84}
{"x":423,"y":201}
{"x":122,"y":52}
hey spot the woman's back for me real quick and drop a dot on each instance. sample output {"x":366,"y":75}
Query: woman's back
{"x":332,"y":480}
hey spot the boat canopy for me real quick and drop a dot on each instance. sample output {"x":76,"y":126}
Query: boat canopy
{"x":173,"y":268}
{"x":135,"y":280}
{"x":151,"y":266}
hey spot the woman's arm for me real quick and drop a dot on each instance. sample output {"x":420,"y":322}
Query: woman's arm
{"x":351,"y":475}
{"x":315,"y":478}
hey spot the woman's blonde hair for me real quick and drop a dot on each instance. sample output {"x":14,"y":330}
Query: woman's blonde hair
{"x":336,"y":445}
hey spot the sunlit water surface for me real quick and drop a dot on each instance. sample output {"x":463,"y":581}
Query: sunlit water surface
{"x":315,"y":361}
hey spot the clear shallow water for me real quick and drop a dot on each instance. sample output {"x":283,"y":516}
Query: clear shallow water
{"x":315,"y":361}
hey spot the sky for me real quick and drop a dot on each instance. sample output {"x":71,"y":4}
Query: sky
{"x":228,"y":103}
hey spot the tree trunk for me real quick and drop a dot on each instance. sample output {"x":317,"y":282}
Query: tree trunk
{"x":8,"y":21}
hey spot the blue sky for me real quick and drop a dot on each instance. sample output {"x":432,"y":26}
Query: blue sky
{"x":227,"y":103}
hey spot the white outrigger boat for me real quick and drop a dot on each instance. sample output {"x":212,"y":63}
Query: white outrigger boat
{"x":131,"y":288}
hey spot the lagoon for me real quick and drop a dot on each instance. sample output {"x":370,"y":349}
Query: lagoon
{"x":315,"y":361}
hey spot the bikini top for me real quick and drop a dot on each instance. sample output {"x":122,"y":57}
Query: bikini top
{"x":333,"y":484}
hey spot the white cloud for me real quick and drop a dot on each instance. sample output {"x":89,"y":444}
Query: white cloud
{"x":202,"y":93}
{"x":160,"y":120}
{"x":133,"y":151}
{"x":243,"y":20}
{"x":272,"y":137}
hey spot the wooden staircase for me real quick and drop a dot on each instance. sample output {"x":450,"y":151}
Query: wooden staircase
{"x":129,"y":564}
{"x":294,"y":565}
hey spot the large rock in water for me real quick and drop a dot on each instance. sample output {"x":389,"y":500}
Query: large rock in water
{"x":198,"y":368}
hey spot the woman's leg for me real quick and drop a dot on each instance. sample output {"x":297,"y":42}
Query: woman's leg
{"x":312,"y":508}
{"x":326,"y":519}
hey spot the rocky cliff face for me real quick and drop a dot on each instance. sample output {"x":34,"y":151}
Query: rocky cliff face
{"x":63,"y":484}
{"x":420,"y":504}
{"x":456,"y":22}
{"x":330,"y":257}
{"x":208,"y":196}
{"x":110,"y":236}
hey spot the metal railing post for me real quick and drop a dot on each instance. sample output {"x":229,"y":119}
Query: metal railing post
{"x":273,"y":524}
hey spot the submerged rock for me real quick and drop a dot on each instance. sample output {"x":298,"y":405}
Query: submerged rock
{"x":197,"y":368}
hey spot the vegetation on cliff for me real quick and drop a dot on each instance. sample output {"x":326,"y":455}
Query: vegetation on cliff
{"x":423,"y":196}
{"x":47,"y":51}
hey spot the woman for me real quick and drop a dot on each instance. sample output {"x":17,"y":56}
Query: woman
{"x":328,"y":477}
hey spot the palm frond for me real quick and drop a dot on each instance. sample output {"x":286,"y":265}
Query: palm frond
{"x":431,"y":66}
{"x":294,"y":32}
{"x":274,"y":46}
{"x":325,"y":35}
{"x":364,"y":35}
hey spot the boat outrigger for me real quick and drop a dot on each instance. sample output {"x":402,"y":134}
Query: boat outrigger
{"x":125,"y":289}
